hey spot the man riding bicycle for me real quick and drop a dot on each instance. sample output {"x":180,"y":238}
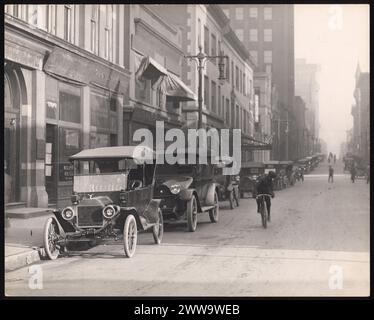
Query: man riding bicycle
{"x":265,"y":186}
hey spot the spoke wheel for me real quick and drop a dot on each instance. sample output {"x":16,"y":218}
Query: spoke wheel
{"x":214,"y":213}
{"x":191,"y":213}
{"x":158,"y":228}
{"x":264,"y":215}
{"x":130,"y":236}
{"x":51,"y":236}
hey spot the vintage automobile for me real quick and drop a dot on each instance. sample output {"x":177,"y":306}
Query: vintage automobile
{"x":112,"y":199}
{"x":274,"y":165}
{"x":304,"y":165}
{"x":186,"y":190}
{"x":227,"y":185}
{"x":249,"y":174}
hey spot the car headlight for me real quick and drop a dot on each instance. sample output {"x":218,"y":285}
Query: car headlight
{"x":109,"y":212}
{"x":67,"y":213}
{"x":175,"y":188}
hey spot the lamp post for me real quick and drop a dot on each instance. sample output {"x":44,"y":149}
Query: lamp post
{"x":201,"y":59}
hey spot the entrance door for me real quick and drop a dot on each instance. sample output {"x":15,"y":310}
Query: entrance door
{"x":11,"y":157}
{"x":51,"y":163}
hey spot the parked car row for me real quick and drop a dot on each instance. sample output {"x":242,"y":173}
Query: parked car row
{"x":287,"y":173}
{"x":118,"y":191}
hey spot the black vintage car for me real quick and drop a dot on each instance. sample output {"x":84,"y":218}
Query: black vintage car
{"x":186,"y":190}
{"x":112,"y":200}
{"x":249,"y":175}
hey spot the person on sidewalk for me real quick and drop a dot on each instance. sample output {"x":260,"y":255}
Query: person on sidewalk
{"x":331,"y":174}
{"x":353,"y":173}
{"x":334,"y":158}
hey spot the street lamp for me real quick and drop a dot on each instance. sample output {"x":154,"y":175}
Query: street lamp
{"x":201,"y":59}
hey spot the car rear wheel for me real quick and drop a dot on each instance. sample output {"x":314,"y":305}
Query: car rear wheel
{"x":158,"y":228}
{"x":214,"y":213}
{"x":191,"y":213}
{"x":130,"y":236}
{"x":51,"y":236}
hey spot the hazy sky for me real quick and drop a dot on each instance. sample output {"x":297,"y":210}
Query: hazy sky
{"x":336,"y":37}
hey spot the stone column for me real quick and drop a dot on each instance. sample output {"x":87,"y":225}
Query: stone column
{"x":38,"y":196}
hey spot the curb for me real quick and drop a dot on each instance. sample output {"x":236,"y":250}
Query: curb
{"x":22,"y":259}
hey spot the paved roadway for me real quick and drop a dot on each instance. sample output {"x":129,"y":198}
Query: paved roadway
{"x":317,"y":244}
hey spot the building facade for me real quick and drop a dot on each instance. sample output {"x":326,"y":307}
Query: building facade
{"x":307,"y":87}
{"x":361,"y":116}
{"x":77,"y":77}
{"x":267,"y":31}
{"x":228,"y":104}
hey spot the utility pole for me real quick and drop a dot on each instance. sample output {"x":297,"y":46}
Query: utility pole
{"x":201,"y":59}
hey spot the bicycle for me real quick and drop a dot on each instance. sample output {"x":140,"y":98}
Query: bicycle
{"x":265,"y":217}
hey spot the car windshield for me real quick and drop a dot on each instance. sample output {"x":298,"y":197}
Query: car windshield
{"x":104,"y":175}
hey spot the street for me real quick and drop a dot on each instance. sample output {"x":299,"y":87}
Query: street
{"x":319,"y":232}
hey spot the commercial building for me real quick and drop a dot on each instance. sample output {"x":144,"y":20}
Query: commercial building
{"x":307,"y":87}
{"x":267,"y":31}
{"x":81,"y":76}
{"x":361,"y":116}
{"x":227,"y":104}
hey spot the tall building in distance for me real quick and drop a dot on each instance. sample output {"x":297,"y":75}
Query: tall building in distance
{"x":267,"y":31}
{"x":307,"y":87}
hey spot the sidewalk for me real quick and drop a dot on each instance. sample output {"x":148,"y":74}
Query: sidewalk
{"x":24,"y":236}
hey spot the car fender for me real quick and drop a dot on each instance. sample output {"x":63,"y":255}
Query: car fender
{"x":186,"y":194}
{"x":209,"y":199}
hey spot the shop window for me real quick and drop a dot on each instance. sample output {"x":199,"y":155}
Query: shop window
{"x":70,"y":104}
{"x":69,"y":143}
{"x":98,"y":140}
{"x":100,"y":111}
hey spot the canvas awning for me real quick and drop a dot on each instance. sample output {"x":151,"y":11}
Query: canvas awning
{"x":176,"y":89}
{"x":151,"y":69}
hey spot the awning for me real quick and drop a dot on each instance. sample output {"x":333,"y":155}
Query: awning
{"x":176,"y":89}
{"x":151,"y":69}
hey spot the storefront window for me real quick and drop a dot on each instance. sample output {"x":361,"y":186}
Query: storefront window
{"x":98,"y":140}
{"x":70,"y":103}
{"x":69,"y":144}
{"x":99,"y":111}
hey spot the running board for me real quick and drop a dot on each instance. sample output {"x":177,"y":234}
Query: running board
{"x":206,"y":208}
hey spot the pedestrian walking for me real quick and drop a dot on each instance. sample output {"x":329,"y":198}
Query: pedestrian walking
{"x":353,"y":173}
{"x":334,"y":158}
{"x":331,"y":174}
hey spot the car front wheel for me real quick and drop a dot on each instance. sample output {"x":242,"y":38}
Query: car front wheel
{"x":214,"y":213}
{"x":51,"y":236}
{"x":130,"y":236}
{"x":191,"y":213}
{"x":158,"y":228}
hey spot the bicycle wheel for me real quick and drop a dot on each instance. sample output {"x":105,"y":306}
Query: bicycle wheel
{"x":264,"y":215}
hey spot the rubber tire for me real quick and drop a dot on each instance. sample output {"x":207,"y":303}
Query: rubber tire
{"x":191,"y":214}
{"x":130,"y":222}
{"x":158,"y":229}
{"x":214,"y":213}
{"x":264,"y":216}
{"x":231,"y":199}
{"x":50,"y":255}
